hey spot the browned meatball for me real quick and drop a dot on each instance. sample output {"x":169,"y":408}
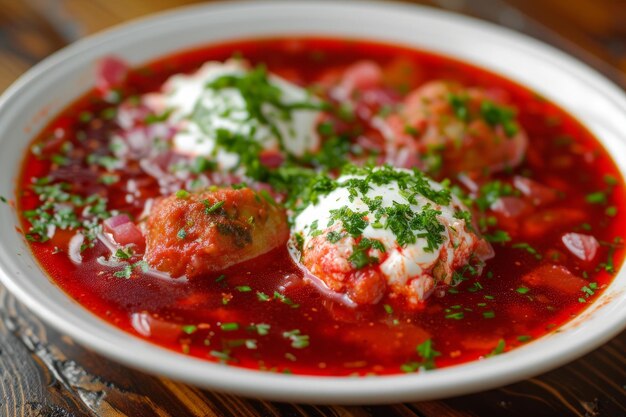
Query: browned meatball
{"x":193,"y":234}
{"x":471,"y":129}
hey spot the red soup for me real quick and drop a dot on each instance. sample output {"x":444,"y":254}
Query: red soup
{"x":323,"y":207}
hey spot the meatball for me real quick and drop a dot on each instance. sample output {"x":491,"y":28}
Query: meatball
{"x":386,"y":231}
{"x":457,"y":129}
{"x":193,"y":234}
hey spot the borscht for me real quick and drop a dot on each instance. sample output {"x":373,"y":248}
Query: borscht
{"x":322,"y":206}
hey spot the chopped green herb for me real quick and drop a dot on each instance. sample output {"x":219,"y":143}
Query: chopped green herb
{"x":499,"y":115}
{"x":610,"y":180}
{"x":428,"y":354}
{"x":183,"y":194}
{"x":283,"y":299}
{"x":261,"y":296}
{"x":124,"y":253}
{"x":298,"y":340}
{"x":598,"y":197}
{"x":490,"y":192}
{"x":334,"y":236}
{"x":126,"y":272}
{"x":212,"y":208}
{"x":221,"y":355}
{"x":498,"y":349}
{"x":455,"y":316}
{"x":498,"y":236}
{"x":108,"y":179}
{"x":459,"y":106}
{"x":109,"y":162}
{"x":261,"y":329}
{"x":229,"y":327}
{"x":489,"y":314}
{"x":157,"y":118}
{"x":527,"y":248}
{"x":359,"y":257}
{"x":189,"y":329}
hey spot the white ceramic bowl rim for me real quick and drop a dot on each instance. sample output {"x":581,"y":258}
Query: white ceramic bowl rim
{"x":387,"y":22}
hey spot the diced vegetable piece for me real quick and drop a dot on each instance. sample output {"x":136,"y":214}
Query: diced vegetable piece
{"x":271,"y":158}
{"x":582,"y":246}
{"x":556,"y":277}
{"x":509,"y":206}
{"x":111,"y":72}
{"x":155,"y":328}
{"x":545,"y":221}
{"x":360,"y":76}
{"x":539,"y":194}
{"x":112,"y":222}
{"x":129,"y":234}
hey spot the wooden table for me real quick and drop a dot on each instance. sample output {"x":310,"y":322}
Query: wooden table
{"x":44,"y":373}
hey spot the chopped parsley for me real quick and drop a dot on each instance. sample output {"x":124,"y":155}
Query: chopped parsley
{"x":334,"y":236}
{"x":528,"y":248}
{"x":259,"y":94}
{"x":498,"y":349}
{"x":499,"y":236}
{"x":285,"y":300}
{"x":124,"y":253}
{"x":353,"y":222}
{"x":298,"y":340}
{"x":360,"y":258}
{"x":261,"y":329}
{"x":459,"y":106}
{"x":496,"y":115}
{"x":189,"y":329}
{"x":212,"y":208}
{"x":60,"y":209}
{"x":182,"y":194}
{"x":598,"y":197}
{"x":427,"y":354}
{"x":588,"y":290}
{"x":401,"y":218}
{"x":261,"y":296}
{"x":403,"y":222}
{"x":127,"y":270}
{"x":490,"y":192}
{"x":229,"y":327}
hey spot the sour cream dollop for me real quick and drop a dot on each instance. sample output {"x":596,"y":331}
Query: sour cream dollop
{"x":387,"y":230}
{"x":202,"y":106}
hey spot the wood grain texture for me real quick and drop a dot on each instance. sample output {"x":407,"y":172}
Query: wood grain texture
{"x":44,"y":373}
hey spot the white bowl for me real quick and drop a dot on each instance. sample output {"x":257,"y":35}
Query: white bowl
{"x":42,"y":92}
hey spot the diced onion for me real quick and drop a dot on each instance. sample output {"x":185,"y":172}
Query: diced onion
{"x":582,"y":246}
{"x":76,"y":242}
{"x":107,"y":240}
{"x":109,"y":262}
